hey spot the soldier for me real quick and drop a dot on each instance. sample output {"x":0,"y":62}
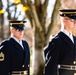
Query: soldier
{"x":60,"y":55}
{"x":14,"y":52}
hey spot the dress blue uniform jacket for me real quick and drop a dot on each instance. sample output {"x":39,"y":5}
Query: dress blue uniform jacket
{"x":61,"y":50}
{"x":15,"y":57}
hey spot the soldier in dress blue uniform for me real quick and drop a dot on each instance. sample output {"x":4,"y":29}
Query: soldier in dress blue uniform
{"x":60,"y":55}
{"x":14,"y":52}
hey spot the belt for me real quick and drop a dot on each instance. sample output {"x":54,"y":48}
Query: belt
{"x":19,"y":73}
{"x":67,"y":67}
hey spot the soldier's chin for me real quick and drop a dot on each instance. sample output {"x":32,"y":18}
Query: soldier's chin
{"x":20,"y":37}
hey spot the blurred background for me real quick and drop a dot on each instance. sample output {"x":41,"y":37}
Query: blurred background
{"x":43,"y":22}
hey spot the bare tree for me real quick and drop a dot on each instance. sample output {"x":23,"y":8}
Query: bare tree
{"x":36,"y":14}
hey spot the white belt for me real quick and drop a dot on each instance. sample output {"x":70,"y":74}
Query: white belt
{"x":67,"y":67}
{"x":19,"y":73}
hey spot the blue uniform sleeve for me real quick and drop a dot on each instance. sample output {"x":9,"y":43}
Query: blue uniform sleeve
{"x":52,"y":57}
{"x":4,"y":59}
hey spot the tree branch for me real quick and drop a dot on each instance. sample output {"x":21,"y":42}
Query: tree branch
{"x":36,"y":17}
{"x":37,"y":3}
{"x":28,"y":12}
{"x":44,"y":12}
{"x":34,"y":14}
{"x":45,"y":4}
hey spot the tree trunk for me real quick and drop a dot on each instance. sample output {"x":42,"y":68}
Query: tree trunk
{"x":38,"y":64}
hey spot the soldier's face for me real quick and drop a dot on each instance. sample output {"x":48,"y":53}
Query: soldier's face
{"x":68,"y":23}
{"x":17,"y":34}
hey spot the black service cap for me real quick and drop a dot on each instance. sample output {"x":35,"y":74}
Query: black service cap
{"x":18,"y":25}
{"x":71,"y":13}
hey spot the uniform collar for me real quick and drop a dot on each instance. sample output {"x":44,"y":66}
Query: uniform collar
{"x":66,"y":32}
{"x":16,"y":39}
